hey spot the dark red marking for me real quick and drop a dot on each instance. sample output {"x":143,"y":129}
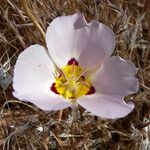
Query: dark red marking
{"x":53,"y":88}
{"x":91,"y":91}
{"x":83,"y":78}
{"x":59,"y":75}
{"x":73,"y":61}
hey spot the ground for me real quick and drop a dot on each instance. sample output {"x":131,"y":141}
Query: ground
{"x":23,"y":126}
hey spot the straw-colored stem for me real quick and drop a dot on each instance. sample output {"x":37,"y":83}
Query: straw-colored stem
{"x":32,"y":18}
{"x":37,"y":25}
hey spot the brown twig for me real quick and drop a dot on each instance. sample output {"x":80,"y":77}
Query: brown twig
{"x":58,"y":127}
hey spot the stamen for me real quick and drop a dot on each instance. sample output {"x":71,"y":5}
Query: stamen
{"x":84,"y":83}
{"x":72,"y":82}
{"x":63,"y":74}
{"x":92,"y":70}
{"x":82,"y":73}
{"x":55,"y":76}
{"x":66,"y":83}
{"x":73,"y":67}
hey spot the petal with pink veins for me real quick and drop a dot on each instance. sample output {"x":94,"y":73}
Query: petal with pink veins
{"x":33,"y":78}
{"x":106,"y":106}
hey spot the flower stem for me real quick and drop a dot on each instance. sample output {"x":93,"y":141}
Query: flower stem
{"x":74,"y":113}
{"x":33,"y":19}
{"x":39,"y":28}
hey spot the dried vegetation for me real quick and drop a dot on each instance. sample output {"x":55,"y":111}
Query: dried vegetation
{"x":25,"y":127}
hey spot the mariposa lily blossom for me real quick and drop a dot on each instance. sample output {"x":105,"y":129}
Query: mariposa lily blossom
{"x":84,"y":71}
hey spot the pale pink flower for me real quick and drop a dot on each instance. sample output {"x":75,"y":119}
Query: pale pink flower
{"x":88,"y":74}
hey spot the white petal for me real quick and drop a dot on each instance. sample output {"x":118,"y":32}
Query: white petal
{"x":106,"y":106}
{"x":33,"y":79}
{"x":45,"y":100}
{"x":71,"y":37}
{"x":116,"y":77}
{"x":99,"y":45}
{"x":61,"y":37}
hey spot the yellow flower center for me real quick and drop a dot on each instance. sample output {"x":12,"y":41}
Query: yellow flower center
{"x":71,"y":82}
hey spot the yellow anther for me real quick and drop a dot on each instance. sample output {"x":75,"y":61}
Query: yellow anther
{"x":71,"y":84}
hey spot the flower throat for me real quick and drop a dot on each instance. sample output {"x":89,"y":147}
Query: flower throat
{"x":71,"y":83}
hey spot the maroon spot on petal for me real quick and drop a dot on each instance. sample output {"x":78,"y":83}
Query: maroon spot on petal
{"x":83,"y":78}
{"x":59,"y":75}
{"x":73,"y":61}
{"x":53,"y":88}
{"x":91,"y":91}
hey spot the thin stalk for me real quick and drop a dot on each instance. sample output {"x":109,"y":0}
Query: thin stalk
{"x":33,"y":19}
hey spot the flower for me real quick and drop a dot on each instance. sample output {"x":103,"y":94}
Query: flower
{"x":85,"y":72}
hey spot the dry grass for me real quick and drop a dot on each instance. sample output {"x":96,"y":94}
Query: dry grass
{"x":25,"y":127}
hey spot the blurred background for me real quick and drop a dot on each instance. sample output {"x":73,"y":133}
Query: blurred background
{"x":25,"y":127}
